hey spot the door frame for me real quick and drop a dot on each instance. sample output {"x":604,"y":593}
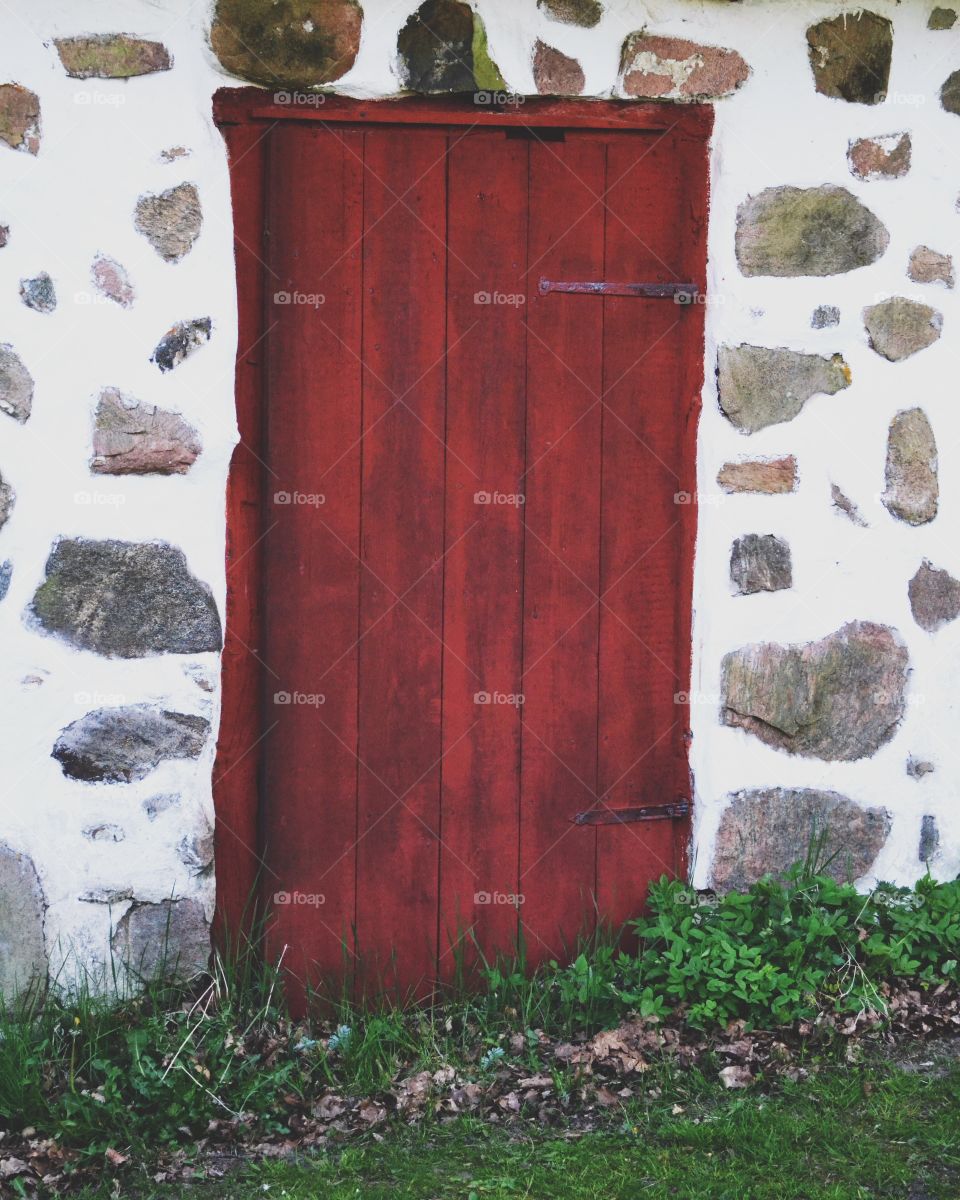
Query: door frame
{"x":245,"y":116}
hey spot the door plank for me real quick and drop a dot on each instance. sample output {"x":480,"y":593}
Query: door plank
{"x":561,"y":548}
{"x":484,"y":543}
{"x":650,"y":410}
{"x":310,"y":548}
{"x":400,"y":749}
{"x":236,"y":771}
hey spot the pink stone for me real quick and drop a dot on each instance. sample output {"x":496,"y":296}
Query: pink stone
{"x":669,"y":68}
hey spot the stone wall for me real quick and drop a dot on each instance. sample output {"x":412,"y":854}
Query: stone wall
{"x":825,"y":633}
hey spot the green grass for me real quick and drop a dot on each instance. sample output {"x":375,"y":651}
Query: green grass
{"x":144,"y":1074}
{"x":847,"y":1134}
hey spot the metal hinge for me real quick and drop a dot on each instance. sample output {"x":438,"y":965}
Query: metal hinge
{"x":679,"y":293}
{"x":624,"y":816}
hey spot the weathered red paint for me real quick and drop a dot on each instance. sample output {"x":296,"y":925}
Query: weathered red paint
{"x":402,"y":800}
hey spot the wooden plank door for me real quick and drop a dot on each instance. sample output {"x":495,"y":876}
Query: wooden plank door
{"x":477,"y":558}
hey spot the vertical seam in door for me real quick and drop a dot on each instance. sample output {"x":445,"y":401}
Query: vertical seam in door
{"x":361,"y":300}
{"x":267,"y":250}
{"x":603,"y":380}
{"x":443,"y":541}
{"x":523,"y":541}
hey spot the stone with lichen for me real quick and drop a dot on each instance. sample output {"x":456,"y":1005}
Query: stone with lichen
{"x":287,"y":43}
{"x":912,"y":489}
{"x":837,"y":699}
{"x":762,"y":385}
{"x":111,"y":56}
{"x":789,"y":231}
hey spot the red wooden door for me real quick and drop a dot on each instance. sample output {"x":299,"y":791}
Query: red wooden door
{"x":476,"y":551}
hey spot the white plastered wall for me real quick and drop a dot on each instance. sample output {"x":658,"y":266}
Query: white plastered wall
{"x":101,"y":150}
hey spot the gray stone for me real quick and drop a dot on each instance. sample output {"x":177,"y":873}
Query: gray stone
{"x":172,"y":153}
{"x":39,"y":293}
{"x":16,"y":385}
{"x":287,"y":43}
{"x":153,"y":806}
{"x":6,"y":574}
{"x":934,"y":597}
{"x":196,"y":851}
{"x":104,"y":833}
{"x":850,"y":56}
{"x":585,"y":13}
{"x":180,"y":341}
{"x":764,"y":831}
{"x":7,"y":500}
{"x":838,"y":699}
{"x":442,"y":48}
{"x":950,"y":93}
{"x":111,"y":56}
{"x":4,"y":235}
{"x":929,"y":839}
{"x":825,"y":316}
{"x":171,"y":222}
{"x":930,"y":266}
{"x":942,"y":18}
{"x":169,"y":940}
{"x":126,"y":599}
{"x":19,"y":118}
{"x":121,"y":745}
{"x":760,"y":563}
{"x":671,"y":68}
{"x":760,"y":386}
{"x":788,"y":231}
{"x":886,"y":156}
{"x":843,"y":504}
{"x":23,"y":959}
{"x":555,"y":73}
{"x":898,"y":327}
{"x":130,"y":438}
{"x":912,"y":490}
{"x":106,"y":895}
{"x":917,"y":767}
{"x":111,"y":280}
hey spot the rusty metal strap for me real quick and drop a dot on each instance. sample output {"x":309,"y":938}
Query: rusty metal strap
{"x":680,"y":293}
{"x":625,"y":816}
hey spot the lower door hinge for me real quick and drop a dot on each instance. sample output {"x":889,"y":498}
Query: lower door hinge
{"x":624,"y":816}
